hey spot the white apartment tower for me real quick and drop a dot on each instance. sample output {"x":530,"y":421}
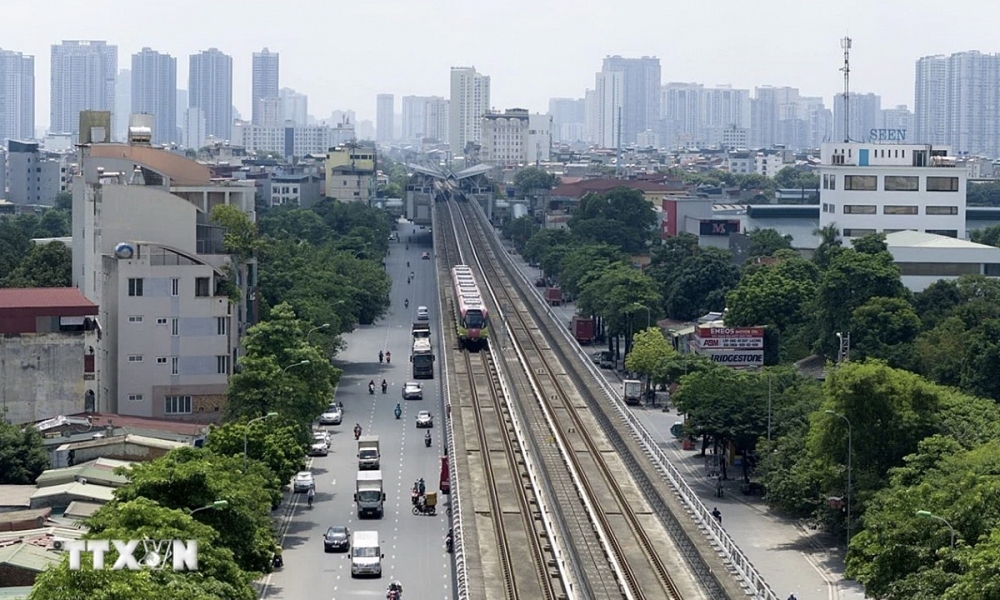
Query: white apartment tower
{"x":515,"y":137}
{"x":639,"y":94}
{"x":470,"y":100}
{"x":930,"y":108}
{"x":265,"y":85}
{"x":154,"y":92}
{"x":385,"y":107}
{"x":123,"y":104}
{"x":956,"y":102}
{"x":210,"y":88}
{"x":17,"y":97}
{"x":294,"y":107}
{"x":608,"y":109}
{"x":865,"y":111}
{"x":884,"y":188}
{"x":425,"y":117}
{"x":83,"y":78}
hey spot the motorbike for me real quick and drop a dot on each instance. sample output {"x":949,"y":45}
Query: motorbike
{"x":388,"y":357}
{"x":406,"y":303}
{"x":398,"y":412}
{"x":371,"y":389}
{"x":407,"y":280}
{"x":357,"y":433}
{"x":395,"y":591}
{"x":385,"y":387}
{"x":426,"y":504}
{"x":427,"y":440}
{"x":449,"y":542}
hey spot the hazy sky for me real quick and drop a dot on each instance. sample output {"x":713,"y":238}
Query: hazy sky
{"x":344,"y":53}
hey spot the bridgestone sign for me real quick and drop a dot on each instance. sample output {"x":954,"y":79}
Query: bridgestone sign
{"x":739,"y":358}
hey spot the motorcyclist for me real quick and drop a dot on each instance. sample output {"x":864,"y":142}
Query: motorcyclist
{"x":385,"y":386}
{"x":421,"y":486}
{"x":395,"y":591}
{"x":381,"y":356}
{"x":449,"y":540}
{"x":427,"y":439}
{"x":371,"y":386}
{"x":717,"y":514}
{"x":310,"y":495}
{"x":407,"y":264}
{"x":412,"y":275}
{"x":406,"y":303}
{"x":279,"y":561}
{"x":399,"y":410}
{"x":357,"y":430}
{"x":388,"y":357}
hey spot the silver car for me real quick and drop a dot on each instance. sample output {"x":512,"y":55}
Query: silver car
{"x":319,"y":449}
{"x":424,"y":419}
{"x":303,"y":482}
{"x":413,"y":391}
{"x":331,"y":416}
{"x":321,"y":437}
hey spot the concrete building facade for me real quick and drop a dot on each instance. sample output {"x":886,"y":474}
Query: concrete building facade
{"x":884,"y":188}
{"x":32,"y":177}
{"x":146,"y":252}
{"x":47,"y":350}
{"x":294,"y":107}
{"x":302,"y":190}
{"x":640,"y":95}
{"x":154,"y":92}
{"x":265,"y":84}
{"x":83,"y":78}
{"x":516,"y":137}
{"x":470,"y":100}
{"x":123,"y":105}
{"x":385,"y":111}
{"x":350,"y":173}
{"x":210,"y":88}
{"x":924,"y":258}
{"x":17,"y":96}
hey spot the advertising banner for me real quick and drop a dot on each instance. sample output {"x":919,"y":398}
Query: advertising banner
{"x":739,"y":358}
{"x":730,"y":332}
{"x":735,"y":343}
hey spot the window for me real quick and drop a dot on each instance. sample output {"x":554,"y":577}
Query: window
{"x":135,"y":318}
{"x":161,"y":360}
{"x":175,"y":326}
{"x":894,"y":183}
{"x":860,"y":209}
{"x":863,"y":183}
{"x":222,"y":325}
{"x":135,"y":397}
{"x":135,"y":358}
{"x":991,"y":270}
{"x":941,"y":210}
{"x":833,"y":182}
{"x":938,"y":269}
{"x":942,"y":184}
{"x":175,"y":287}
{"x":826,"y":207}
{"x":858,"y":232}
{"x":201,"y":287}
{"x":952,"y":233}
{"x":177,"y":405}
{"x":899,"y":210}
{"x":222,"y":364}
{"x":161,"y":321}
{"x":174,"y":366}
{"x":135,"y":286}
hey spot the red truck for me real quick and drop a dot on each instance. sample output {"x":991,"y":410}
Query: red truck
{"x":583,"y":329}
{"x":554,"y":296}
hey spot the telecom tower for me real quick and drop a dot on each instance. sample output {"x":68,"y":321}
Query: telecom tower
{"x":845,"y":43}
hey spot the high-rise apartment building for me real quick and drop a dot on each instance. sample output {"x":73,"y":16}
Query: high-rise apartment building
{"x":569,"y":118}
{"x":17,"y":97}
{"x":640,"y":94}
{"x":210,"y":88}
{"x":123,"y":104}
{"x":930,"y":107}
{"x":294,"y":107}
{"x":693,"y":115}
{"x":956,"y":102}
{"x":83,"y":78}
{"x":154,"y":92}
{"x":779,"y":116}
{"x":470,"y":100}
{"x":385,"y":106}
{"x":864,"y":112}
{"x":608,"y":110}
{"x":899,"y":118}
{"x":265,"y":84}
{"x":425,"y":118}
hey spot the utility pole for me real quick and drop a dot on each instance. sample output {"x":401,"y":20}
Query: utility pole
{"x":618,"y":162}
{"x":845,"y":43}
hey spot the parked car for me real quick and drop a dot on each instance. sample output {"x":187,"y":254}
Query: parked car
{"x":331,"y":416}
{"x":303,"y":482}
{"x":322,"y":436}
{"x":318,"y":449}
{"x":413,"y":391}
{"x":424,"y":419}
{"x":337,"y":538}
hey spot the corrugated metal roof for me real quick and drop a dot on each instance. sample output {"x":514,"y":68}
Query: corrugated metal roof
{"x":24,"y":515}
{"x":138,"y":440}
{"x":81,"y":510}
{"x":28,"y":556}
{"x":920,"y":239}
{"x":17,"y":495}
{"x":15,"y":593}
{"x":80,"y":490}
{"x":44,"y":298}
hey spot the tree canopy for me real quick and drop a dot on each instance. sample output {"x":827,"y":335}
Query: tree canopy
{"x":621,"y":217}
{"x":22,"y":457}
{"x":531,"y":179}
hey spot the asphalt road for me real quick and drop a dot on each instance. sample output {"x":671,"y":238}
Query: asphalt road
{"x":413,"y":545}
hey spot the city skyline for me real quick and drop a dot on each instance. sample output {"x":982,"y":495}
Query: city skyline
{"x":781,"y":45}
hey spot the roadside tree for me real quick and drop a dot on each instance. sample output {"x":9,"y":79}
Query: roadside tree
{"x":651,"y":355}
{"x":22,"y":457}
{"x":278,"y":445}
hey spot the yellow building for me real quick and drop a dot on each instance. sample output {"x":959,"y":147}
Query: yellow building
{"x":350,"y":173}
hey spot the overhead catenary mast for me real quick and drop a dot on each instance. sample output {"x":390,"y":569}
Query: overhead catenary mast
{"x":845,"y":43}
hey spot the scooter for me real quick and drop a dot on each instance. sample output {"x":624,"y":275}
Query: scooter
{"x":385,"y":387}
{"x":449,"y":542}
{"x":357,"y":433}
{"x":371,"y":390}
{"x":398,"y":412}
{"x":427,"y":440}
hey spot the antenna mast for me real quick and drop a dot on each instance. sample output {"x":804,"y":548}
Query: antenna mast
{"x":845,"y":43}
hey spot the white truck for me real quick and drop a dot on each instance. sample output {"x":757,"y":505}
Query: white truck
{"x":368,"y":494}
{"x":366,"y":554}
{"x":632,"y":392}
{"x":368,"y":454}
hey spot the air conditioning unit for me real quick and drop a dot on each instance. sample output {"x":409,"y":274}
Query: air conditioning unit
{"x":82,"y":480}
{"x":58,"y":544}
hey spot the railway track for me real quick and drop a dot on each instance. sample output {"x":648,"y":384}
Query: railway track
{"x":633,"y":560}
{"x":511,"y":502}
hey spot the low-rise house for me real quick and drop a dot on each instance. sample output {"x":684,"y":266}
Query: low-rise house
{"x":22,"y":520}
{"x":25,"y":554}
{"x":122,"y":447}
{"x":16,"y":497}
{"x":61,"y":496}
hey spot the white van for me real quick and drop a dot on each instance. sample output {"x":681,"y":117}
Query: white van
{"x":366,"y":555}
{"x":423,"y":314}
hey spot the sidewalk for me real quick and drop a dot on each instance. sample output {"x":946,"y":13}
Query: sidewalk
{"x":792,"y":557}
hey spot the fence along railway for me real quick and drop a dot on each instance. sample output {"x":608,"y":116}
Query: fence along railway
{"x":631,"y":555}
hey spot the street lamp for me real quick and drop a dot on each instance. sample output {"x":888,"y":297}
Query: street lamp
{"x":298,"y":364}
{"x":216,"y":504}
{"x":929,"y":515}
{"x":850,"y":448}
{"x":246,"y":433}
{"x":318,"y":327}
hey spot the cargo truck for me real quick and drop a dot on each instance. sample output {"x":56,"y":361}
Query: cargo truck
{"x":583,"y":329}
{"x":368,"y":455}
{"x":368,"y":494}
{"x":554,"y":296}
{"x":632,"y":392}
{"x":421,"y":330}
{"x":422,"y":357}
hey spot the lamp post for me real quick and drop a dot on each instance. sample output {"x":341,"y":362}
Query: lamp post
{"x":850,"y":449}
{"x":929,"y":515}
{"x":298,"y":364}
{"x":216,"y":504}
{"x":318,"y":327}
{"x":246,"y":433}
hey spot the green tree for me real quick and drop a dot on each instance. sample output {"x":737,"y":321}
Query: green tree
{"x":884,"y":328}
{"x":793,"y":178}
{"x":53,"y":223}
{"x":519,"y":231}
{"x":982,"y":355}
{"x":983,"y":194}
{"x":189,"y":478}
{"x":650,"y":356}
{"x":46,"y":265}
{"x":765,"y":242}
{"x":939,"y":353}
{"x":532,"y":178}
{"x":700,"y":284}
{"x":776,"y":295}
{"x":615,"y":297}
{"x":581,"y":264}
{"x":218,"y":576}
{"x":22,"y":456}
{"x":621,"y":217}
{"x":937,"y":301}
{"x":544,"y":242}
{"x":64,"y":201}
{"x":277,"y":445}
{"x":240,"y":237}
{"x":830,"y":244}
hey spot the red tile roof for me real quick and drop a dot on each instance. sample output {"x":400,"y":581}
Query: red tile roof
{"x":44,"y":298}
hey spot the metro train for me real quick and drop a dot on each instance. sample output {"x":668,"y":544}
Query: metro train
{"x":473,"y":317}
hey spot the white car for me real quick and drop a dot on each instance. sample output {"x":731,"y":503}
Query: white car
{"x":303,"y":482}
{"x":321,"y":437}
{"x":423,"y":314}
{"x":319,"y":449}
{"x":413,"y":391}
{"x":331,"y":416}
{"x":424,"y":419}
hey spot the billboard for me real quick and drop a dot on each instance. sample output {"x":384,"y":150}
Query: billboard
{"x":735,"y":343}
{"x":719,"y":228}
{"x":730,"y":332}
{"x":739,"y":358}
